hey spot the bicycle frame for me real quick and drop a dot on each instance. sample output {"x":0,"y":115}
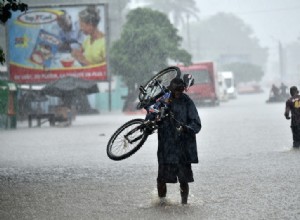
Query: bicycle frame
{"x":153,"y":97}
{"x":148,"y":126}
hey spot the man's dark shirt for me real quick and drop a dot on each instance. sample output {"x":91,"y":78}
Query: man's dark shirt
{"x":293,"y":104}
{"x":176,"y":147}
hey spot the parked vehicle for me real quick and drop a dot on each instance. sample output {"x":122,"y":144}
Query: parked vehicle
{"x":249,"y":88}
{"x":222,"y":88}
{"x":230,"y":84}
{"x":205,"y":88}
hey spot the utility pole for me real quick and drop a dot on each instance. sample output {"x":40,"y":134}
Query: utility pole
{"x":281,"y":61}
{"x":188,"y":31}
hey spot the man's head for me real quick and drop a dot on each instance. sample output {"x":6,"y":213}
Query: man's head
{"x":294,"y":91}
{"x":176,"y":87}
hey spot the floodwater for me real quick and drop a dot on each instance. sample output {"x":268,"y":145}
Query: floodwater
{"x":247,"y":169}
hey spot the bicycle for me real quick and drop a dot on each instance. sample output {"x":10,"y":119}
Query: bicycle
{"x":153,"y":96}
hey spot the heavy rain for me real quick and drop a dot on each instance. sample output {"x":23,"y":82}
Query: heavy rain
{"x":58,"y":115}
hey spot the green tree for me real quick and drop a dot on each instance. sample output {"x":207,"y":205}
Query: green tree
{"x":147,"y":42}
{"x":244,"y":72}
{"x":223,"y":37}
{"x":177,"y":10}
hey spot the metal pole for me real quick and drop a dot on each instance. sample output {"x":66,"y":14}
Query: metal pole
{"x":107,"y":57}
{"x":188,"y":31}
{"x":281,"y":60}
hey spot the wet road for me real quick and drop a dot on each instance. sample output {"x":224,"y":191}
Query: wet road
{"x":247,"y":169}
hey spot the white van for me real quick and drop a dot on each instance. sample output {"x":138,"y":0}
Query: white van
{"x":230,"y":83}
{"x":222,"y":88}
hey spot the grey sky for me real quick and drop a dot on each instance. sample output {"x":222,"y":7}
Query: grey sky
{"x":270,"y":19}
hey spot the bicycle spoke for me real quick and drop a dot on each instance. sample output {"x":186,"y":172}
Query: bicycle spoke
{"x":153,"y":87}
{"x":124,"y":143}
{"x":166,"y":78}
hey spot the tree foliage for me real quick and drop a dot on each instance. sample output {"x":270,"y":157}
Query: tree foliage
{"x":245,"y":72}
{"x":6,"y":6}
{"x":177,"y":10}
{"x":147,"y":42}
{"x":224,"y":35}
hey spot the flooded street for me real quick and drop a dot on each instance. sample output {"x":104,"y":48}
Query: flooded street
{"x":247,"y":169}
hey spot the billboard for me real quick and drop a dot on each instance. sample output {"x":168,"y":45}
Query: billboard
{"x":45,"y":44}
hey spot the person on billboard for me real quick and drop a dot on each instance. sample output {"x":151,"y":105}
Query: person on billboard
{"x":69,"y":32}
{"x":93,"y":47}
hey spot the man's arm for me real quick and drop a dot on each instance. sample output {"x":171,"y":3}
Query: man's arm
{"x":287,"y":111}
{"x":194,"y":122}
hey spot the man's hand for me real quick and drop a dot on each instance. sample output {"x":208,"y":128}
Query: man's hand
{"x":287,"y":116}
{"x":184,"y":128}
{"x":180,"y":128}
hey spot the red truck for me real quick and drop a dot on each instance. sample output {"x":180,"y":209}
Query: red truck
{"x":205,"y":89}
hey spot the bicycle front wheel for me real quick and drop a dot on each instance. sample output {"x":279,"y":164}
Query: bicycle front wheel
{"x":127,"y":140}
{"x":164,"y":77}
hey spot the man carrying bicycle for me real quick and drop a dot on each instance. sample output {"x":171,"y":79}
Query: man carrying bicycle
{"x":293,"y":106}
{"x":177,"y":147}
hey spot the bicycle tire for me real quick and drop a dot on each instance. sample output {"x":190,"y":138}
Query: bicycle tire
{"x":118,"y":147}
{"x":164,"y":76}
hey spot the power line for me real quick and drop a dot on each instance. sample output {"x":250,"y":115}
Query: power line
{"x":261,"y":11}
{"x":270,"y":10}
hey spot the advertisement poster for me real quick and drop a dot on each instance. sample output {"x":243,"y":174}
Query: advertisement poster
{"x":46,"y":44}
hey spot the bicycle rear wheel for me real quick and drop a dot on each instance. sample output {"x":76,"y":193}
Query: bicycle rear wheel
{"x":127,"y":140}
{"x":164,"y":77}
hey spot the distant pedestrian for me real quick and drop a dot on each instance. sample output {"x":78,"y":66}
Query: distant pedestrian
{"x":283,"y":89}
{"x":275,"y":91}
{"x":293,"y":106}
{"x":177,"y":147}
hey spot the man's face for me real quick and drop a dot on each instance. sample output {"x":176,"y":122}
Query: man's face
{"x":176,"y":90}
{"x":293,"y":92}
{"x":177,"y":94}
